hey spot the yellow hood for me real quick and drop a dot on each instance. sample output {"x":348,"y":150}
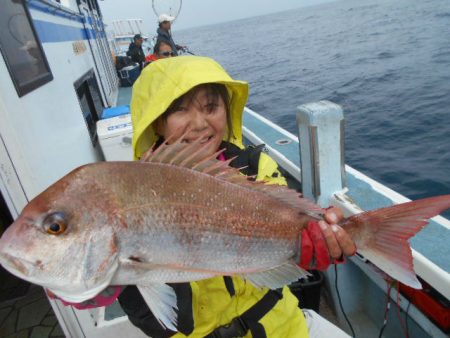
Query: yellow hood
{"x":165,"y":80}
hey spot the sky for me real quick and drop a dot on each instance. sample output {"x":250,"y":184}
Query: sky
{"x":197,"y":12}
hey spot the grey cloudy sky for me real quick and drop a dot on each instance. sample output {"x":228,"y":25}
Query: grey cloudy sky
{"x":198,"y":12}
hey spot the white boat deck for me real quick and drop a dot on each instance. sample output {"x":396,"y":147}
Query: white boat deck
{"x":25,"y":310}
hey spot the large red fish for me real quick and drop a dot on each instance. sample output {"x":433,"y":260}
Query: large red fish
{"x":179,"y":217}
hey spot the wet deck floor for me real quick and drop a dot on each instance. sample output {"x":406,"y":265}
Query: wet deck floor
{"x":25,"y":311}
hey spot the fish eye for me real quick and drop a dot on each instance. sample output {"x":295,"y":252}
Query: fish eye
{"x":55,"y":223}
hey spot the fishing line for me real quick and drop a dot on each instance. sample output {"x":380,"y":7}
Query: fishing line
{"x":340,"y":301}
{"x":399,"y":310}
{"x":386,"y":311}
{"x":407,"y":317}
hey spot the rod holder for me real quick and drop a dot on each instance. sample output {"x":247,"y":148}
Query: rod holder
{"x":321,"y":138}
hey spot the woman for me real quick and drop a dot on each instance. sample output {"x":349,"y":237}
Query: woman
{"x":194,"y":98}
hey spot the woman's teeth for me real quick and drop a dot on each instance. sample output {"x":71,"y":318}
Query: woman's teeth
{"x":202,"y":141}
{"x":205,"y":140}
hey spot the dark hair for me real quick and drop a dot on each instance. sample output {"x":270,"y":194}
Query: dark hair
{"x":161,"y":23}
{"x":157,"y":47}
{"x":215,"y":90}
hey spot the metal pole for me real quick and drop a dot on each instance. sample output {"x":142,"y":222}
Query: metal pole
{"x":321,"y":136}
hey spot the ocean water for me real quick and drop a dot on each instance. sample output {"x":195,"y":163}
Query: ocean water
{"x":386,"y":62}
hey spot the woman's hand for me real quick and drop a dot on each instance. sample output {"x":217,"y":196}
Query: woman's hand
{"x":325,"y":242}
{"x":338,"y":240}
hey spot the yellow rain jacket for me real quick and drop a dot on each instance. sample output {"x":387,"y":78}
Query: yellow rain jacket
{"x":213,"y":306}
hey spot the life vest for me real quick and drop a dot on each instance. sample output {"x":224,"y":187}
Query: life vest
{"x":151,"y":58}
{"x":227,"y":306}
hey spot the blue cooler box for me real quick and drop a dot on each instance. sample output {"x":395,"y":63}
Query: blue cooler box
{"x":115,"y":111}
{"x":129,"y":74}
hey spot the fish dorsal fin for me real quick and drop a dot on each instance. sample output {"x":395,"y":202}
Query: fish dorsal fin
{"x":192,"y":156}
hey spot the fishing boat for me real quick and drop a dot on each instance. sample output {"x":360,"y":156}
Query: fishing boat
{"x":121,"y":33}
{"x":58,"y":85}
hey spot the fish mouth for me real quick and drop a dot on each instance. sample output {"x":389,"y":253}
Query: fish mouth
{"x":16,"y":266}
{"x":72,"y":296}
{"x":78,"y":296}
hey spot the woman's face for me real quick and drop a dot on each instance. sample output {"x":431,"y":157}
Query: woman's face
{"x":201,"y":115}
{"x":165,"y":51}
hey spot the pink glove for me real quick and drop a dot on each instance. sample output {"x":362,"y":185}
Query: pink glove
{"x":104,"y":298}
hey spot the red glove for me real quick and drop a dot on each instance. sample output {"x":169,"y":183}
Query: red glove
{"x":314,"y":250}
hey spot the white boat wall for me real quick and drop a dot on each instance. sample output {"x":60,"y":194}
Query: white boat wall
{"x":57,"y":76}
{"x":50,"y":117}
{"x":48,"y":127}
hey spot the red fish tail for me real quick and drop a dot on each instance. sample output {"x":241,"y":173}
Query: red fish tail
{"x":382,"y":235}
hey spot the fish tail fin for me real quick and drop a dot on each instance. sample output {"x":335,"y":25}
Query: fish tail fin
{"x":382,"y":235}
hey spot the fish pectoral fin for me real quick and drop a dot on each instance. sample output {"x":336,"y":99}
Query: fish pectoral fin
{"x":162,"y":301}
{"x":277,"y":277}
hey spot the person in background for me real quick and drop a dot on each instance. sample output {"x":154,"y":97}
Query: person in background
{"x":165,"y":34}
{"x":161,"y":50}
{"x":135,"y":51}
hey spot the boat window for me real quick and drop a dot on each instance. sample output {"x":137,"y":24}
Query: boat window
{"x":21,"y":48}
{"x":65,"y":3}
{"x":92,"y":4}
{"x":90,"y":100}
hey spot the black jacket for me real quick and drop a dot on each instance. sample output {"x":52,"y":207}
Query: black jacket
{"x":167,"y":38}
{"x":136,"y":53}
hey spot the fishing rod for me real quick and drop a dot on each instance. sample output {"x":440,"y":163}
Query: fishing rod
{"x":186,"y":50}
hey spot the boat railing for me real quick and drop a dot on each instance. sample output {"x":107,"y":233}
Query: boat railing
{"x":319,"y":165}
{"x":127,"y":27}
